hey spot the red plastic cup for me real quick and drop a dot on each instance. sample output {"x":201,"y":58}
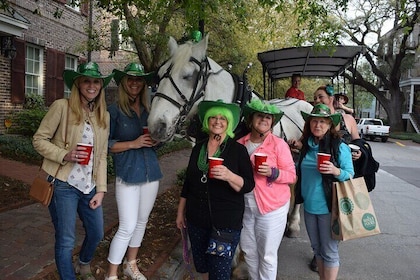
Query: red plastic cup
{"x":214,"y":161}
{"x":88,"y":148}
{"x":323,"y":157}
{"x":259,"y":159}
{"x":145,"y":130}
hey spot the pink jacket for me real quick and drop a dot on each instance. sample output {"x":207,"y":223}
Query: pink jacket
{"x":271,"y":196}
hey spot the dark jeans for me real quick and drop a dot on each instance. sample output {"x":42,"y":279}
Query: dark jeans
{"x":219,"y":268}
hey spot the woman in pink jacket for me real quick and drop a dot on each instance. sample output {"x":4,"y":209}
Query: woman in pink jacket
{"x":266,"y":207}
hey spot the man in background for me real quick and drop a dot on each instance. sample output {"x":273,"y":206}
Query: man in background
{"x":294,"y":91}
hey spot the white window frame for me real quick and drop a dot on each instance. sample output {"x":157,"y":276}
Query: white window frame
{"x":34,"y":69}
{"x":69,"y":64}
{"x":126,"y":44}
{"x":73,"y":4}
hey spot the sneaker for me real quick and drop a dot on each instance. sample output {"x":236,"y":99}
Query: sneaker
{"x":84,"y":271}
{"x":131,"y":269}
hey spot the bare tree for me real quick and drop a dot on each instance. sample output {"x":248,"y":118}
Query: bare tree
{"x":388,"y":55}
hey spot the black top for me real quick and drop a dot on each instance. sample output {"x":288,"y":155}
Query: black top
{"x":227,"y":205}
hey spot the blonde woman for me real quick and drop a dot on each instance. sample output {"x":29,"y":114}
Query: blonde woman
{"x":78,"y":188}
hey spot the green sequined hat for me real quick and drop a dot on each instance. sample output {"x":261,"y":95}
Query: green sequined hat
{"x":257,"y":105}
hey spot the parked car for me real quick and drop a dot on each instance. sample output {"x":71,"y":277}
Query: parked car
{"x":370,"y":128}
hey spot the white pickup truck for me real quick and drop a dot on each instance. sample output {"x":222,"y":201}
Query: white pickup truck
{"x":372,"y":128}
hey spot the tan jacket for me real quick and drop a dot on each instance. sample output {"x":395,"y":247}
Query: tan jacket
{"x":48,"y":141}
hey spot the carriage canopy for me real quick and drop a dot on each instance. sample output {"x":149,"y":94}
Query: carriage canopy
{"x":307,"y":61}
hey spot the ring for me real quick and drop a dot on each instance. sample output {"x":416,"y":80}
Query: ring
{"x":77,"y":156}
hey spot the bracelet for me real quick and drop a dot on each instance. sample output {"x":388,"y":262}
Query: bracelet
{"x":274,"y":174}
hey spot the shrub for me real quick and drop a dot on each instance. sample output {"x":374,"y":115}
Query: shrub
{"x":180,"y":176}
{"x":19,"y":148}
{"x":27,"y":121}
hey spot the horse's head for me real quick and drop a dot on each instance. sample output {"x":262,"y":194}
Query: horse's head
{"x":183,"y":82}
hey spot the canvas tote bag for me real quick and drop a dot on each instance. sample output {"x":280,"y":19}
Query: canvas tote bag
{"x":352,"y":211}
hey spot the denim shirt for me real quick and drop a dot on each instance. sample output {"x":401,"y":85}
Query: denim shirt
{"x":134,"y":165}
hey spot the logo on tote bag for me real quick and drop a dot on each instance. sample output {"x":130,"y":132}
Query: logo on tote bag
{"x":346,"y":205}
{"x":369,"y":221}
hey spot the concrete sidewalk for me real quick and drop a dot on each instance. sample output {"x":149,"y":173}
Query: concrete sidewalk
{"x":27,"y":234}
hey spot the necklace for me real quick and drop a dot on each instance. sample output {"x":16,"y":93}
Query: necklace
{"x":203,"y":163}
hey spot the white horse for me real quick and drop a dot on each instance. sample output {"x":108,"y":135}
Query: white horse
{"x":187,"y":78}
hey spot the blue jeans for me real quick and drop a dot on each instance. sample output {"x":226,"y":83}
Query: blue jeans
{"x":66,"y":202}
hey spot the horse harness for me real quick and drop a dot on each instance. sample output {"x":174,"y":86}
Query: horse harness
{"x":197,"y":93}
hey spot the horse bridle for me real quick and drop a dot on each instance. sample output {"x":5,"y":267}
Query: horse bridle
{"x":196,"y":94}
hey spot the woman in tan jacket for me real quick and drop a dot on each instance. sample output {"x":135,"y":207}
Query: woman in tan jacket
{"x":79,"y":177}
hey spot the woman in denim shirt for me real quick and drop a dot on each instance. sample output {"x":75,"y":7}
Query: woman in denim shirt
{"x":136,"y":167}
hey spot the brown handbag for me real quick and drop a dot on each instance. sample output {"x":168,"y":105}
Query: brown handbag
{"x":41,"y":190}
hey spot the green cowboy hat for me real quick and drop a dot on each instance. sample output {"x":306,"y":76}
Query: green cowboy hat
{"x":132,"y":69}
{"x":89,"y":69}
{"x":257,"y":105}
{"x":322,"y":111}
{"x":207,"y":104}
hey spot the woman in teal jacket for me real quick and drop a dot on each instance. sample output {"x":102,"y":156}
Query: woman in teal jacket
{"x":314,"y":186}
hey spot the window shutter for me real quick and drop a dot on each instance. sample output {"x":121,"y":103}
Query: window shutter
{"x":18,"y":73}
{"x":84,"y":7}
{"x":54,"y":78}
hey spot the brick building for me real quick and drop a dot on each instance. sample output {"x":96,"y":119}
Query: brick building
{"x":39,"y":40}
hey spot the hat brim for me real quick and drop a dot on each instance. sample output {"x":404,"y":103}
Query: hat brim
{"x":249,"y":111}
{"x":205,"y":105}
{"x":336,"y":117}
{"x":70,"y":76}
{"x":118,"y":75}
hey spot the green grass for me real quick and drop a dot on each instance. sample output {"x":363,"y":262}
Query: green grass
{"x":406,"y":136}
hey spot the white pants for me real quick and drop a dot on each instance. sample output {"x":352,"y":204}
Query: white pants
{"x":134,"y":202}
{"x":260,"y":240}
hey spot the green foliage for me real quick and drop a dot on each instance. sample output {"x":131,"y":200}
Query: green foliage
{"x":27,"y":121}
{"x":19,"y":148}
{"x":180,"y":176}
{"x":34,"y":101}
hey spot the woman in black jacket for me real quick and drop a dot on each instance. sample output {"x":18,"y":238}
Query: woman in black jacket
{"x":217,"y":203}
